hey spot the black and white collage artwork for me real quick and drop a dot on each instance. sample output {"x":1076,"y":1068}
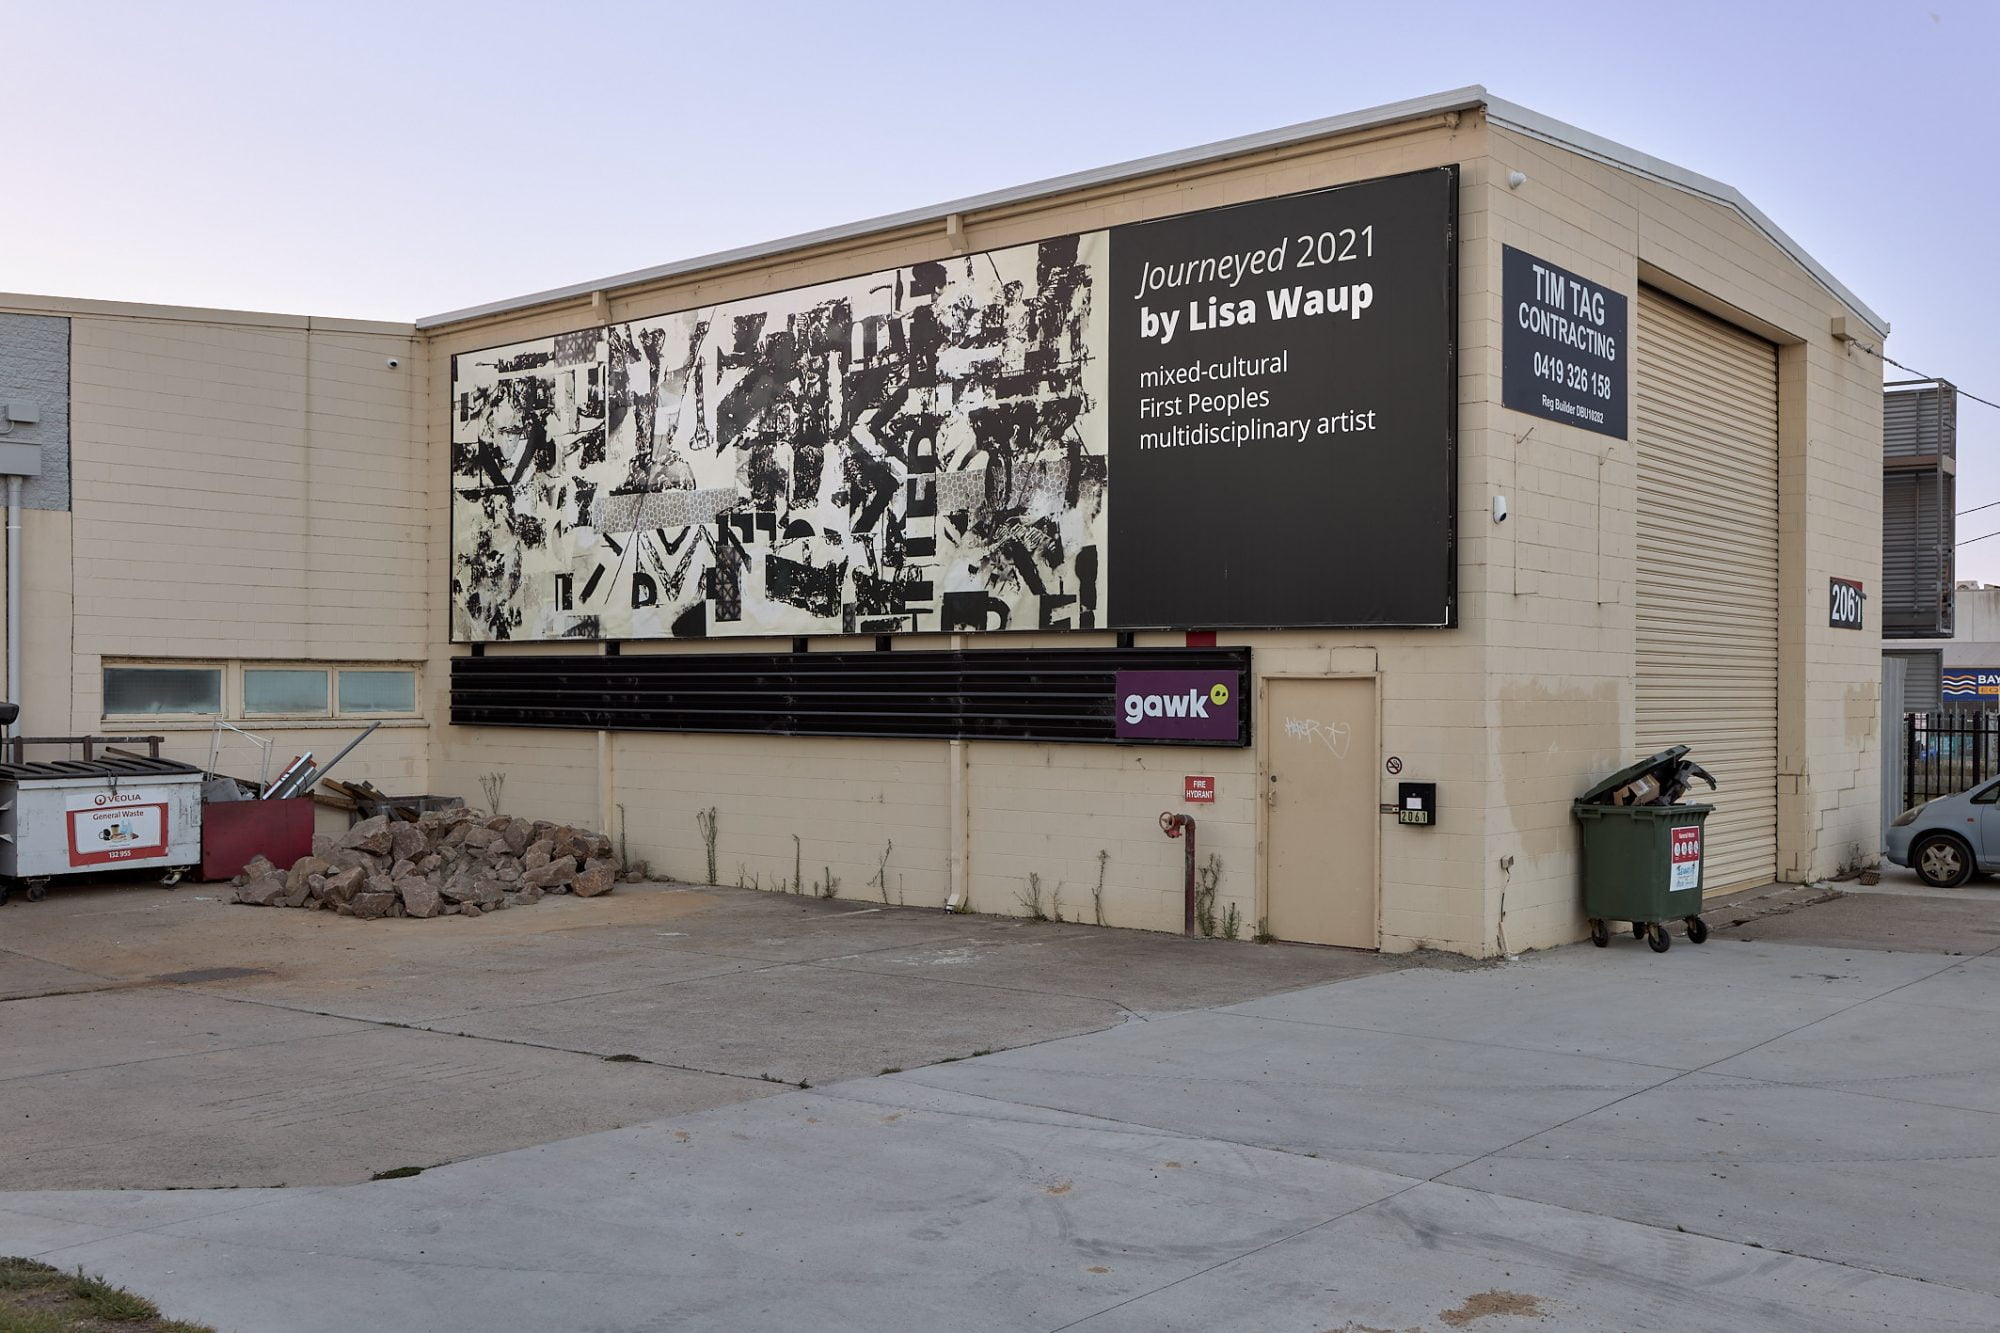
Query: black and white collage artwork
{"x":921,"y":449}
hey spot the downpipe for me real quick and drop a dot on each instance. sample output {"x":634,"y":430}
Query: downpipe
{"x":14,"y":598}
{"x":1172,"y":825}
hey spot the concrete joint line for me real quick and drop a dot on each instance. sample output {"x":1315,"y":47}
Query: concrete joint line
{"x":1103,"y":1125}
{"x":1255,"y":1249}
{"x":374,"y":1023}
{"x":828,"y":964}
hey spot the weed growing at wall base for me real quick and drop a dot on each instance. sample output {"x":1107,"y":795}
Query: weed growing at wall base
{"x":705,"y":821}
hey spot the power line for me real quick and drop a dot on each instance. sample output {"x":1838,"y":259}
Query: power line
{"x":1975,"y":509}
{"x":1954,"y":388}
{"x":1970,"y":540}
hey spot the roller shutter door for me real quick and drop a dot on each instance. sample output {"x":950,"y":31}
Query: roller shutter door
{"x":1707,"y":668}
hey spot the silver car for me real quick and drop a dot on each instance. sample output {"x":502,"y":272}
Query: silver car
{"x":1945,"y":840}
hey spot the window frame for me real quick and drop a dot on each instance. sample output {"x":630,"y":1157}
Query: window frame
{"x":220,"y":668}
{"x":244,"y":713}
{"x":231,"y":688}
{"x":416,"y":691}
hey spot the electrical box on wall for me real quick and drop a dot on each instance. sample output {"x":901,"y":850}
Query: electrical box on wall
{"x":1416,"y":802}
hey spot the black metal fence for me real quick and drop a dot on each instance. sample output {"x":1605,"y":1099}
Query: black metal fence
{"x":1945,"y":753}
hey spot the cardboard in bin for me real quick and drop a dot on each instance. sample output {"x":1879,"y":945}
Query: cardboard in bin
{"x":1643,"y":783}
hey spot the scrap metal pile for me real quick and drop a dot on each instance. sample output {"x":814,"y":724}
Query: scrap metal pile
{"x":444,"y":862}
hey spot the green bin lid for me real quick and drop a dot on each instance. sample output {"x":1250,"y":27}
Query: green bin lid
{"x":1671,"y":755}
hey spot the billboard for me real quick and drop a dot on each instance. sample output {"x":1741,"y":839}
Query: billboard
{"x":1238,"y":417}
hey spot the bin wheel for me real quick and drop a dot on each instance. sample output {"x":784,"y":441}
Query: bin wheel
{"x":37,"y":892}
{"x":1697,"y":930}
{"x":1600,"y":934}
{"x":1638,"y":930}
{"x":1657,"y":937}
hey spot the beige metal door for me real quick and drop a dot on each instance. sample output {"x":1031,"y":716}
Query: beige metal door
{"x":1707,"y":668}
{"x":1319,"y":739}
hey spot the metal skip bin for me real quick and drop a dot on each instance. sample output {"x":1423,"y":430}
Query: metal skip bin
{"x":88,"y":816}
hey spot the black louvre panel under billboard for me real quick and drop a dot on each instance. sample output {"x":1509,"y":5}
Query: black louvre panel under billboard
{"x":1031,"y":694}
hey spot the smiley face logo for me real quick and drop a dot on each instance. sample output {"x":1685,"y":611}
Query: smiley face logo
{"x":1218,"y":694}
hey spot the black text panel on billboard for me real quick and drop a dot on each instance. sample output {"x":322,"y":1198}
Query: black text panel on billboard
{"x":1282,"y":405}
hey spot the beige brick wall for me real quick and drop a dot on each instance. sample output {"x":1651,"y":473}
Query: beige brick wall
{"x":266,"y":487}
{"x":1561,"y":654}
{"x":1031,"y":809}
{"x":244,"y":486}
{"x":1513,"y":713}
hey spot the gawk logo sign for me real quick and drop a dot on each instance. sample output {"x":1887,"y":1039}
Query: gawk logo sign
{"x":1176,"y":705}
{"x":1194,"y":703}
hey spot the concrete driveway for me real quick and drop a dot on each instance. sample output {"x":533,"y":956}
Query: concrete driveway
{"x":1795,"y":1130}
{"x":158,"y":1039}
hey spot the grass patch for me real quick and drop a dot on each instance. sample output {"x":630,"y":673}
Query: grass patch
{"x":37,"y":1298}
{"x":623,"y":1060}
{"x":398,"y":1173}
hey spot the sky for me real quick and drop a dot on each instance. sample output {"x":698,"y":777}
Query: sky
{"x":394,"y":160}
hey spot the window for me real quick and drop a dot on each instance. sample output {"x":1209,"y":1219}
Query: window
{"x":378,"y":692}
{"x":1987,"y":795}
{"x":130,"y":691}
{"x":283,"y":690}
{"x":268,"y":693}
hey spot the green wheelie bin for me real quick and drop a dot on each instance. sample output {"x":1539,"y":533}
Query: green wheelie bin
{"x":1642,"y":863}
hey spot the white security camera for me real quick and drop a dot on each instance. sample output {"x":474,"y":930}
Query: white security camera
{"x":393,"y":363}
{"x":1499,"y":509}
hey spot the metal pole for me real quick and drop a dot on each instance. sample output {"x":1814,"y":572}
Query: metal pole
{"x":1910,"y":760}
{"x":1173,"y":826}
{"x":1187,"y":923}
{"x":14,"y":598}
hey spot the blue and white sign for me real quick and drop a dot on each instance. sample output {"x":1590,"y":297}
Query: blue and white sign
{"x":1970,"y":685}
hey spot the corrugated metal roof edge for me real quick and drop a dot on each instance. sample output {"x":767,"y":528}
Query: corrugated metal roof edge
{"x":1474,"y":96}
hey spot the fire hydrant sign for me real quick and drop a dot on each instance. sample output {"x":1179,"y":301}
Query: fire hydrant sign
{"x":1684,"y":858}
{"x":1198,"y":791}
{"x":106,"y":827}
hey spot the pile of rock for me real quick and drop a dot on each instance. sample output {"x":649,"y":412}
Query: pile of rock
{"x":447,"y":862}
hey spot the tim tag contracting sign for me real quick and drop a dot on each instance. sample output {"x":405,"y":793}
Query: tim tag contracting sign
{"x":1241,"y":417}
{"x":1563,"y":350}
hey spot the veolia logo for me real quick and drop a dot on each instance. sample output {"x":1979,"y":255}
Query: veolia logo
{"x":1192,"y":703}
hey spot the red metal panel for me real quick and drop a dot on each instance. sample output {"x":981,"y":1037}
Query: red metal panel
{"x":234,"y":831}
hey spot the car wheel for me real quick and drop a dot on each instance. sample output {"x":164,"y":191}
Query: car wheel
{"x":1941,"y":861}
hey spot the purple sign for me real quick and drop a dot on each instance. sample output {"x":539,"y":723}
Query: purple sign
{"x":1179,"y":705}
